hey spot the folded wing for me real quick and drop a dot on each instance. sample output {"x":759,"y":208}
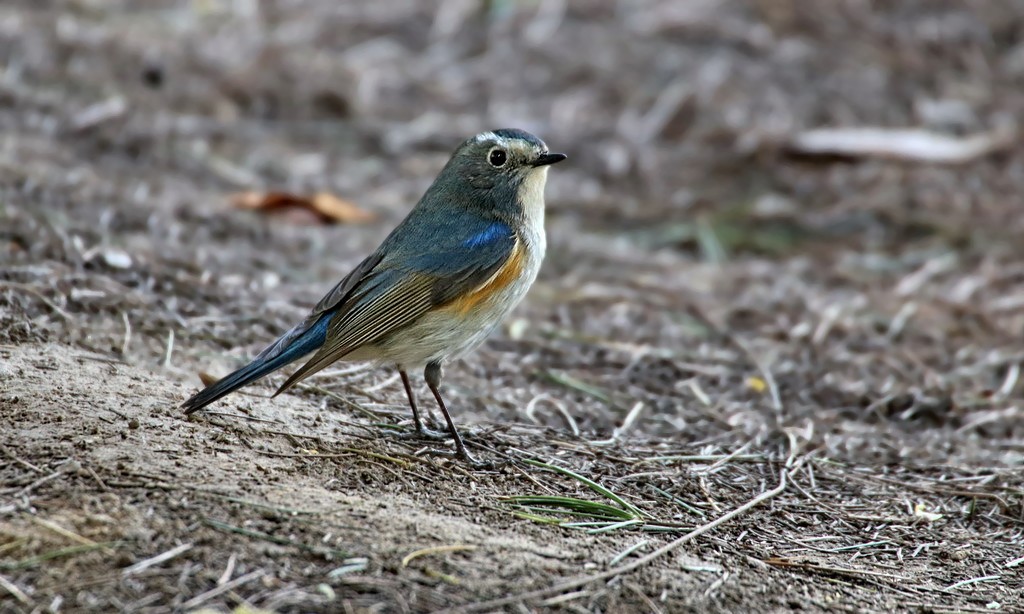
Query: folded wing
{"x":400,"y":287}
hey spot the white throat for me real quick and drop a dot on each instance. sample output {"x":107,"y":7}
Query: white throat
{"x":531,"y":196}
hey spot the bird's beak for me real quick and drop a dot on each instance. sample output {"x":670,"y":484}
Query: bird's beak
{"x":549,"y":158}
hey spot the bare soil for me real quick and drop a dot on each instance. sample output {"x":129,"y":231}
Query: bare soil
{"x":719,"y":322}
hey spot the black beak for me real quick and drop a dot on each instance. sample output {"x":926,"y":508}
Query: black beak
{"x":549,"y":158}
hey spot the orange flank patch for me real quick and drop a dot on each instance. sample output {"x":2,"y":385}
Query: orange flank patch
{"x":504,"y":276}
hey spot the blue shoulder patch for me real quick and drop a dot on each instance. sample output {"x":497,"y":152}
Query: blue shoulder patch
{"x":492,"y":233}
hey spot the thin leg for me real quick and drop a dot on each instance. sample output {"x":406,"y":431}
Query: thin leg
{"x":433,"y":376}
{"x":412,"y":400}
{"x":421,"y":428}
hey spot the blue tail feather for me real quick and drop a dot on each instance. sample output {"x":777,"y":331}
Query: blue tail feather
{"x":306,"y":342}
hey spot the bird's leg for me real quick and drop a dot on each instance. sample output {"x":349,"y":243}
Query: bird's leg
{"x":421,"y":428}
{"x":432,"y":373}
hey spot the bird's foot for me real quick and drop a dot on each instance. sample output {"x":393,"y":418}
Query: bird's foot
{"x":422,"y":432}
{"x":426,"y":432}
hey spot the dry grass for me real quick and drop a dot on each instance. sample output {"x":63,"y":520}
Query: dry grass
{"x":754,"y":380}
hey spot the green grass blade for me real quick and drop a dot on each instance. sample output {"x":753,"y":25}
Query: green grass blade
{"x":592,"y":485}
{"x":580,"y":507}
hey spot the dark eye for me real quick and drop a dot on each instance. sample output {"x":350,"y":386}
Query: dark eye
{"x":497,"y":157}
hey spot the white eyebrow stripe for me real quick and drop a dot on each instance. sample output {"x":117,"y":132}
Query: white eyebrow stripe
{"x":519,"y":145}
{"x":499,"y":141}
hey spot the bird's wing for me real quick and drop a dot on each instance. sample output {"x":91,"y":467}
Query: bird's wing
{"x":331,"y":301}
{"x":452,"y":261}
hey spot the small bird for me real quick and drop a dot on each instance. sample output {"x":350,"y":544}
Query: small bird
{"x":438,"y":285}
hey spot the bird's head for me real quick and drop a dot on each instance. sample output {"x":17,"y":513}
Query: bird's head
{"x":506,"y":168}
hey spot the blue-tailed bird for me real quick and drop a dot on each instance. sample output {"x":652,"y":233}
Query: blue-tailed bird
{"x":439,"y":283}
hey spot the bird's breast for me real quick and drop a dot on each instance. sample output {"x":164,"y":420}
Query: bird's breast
{"x":505,"y":278}
{"x":463,"y":324}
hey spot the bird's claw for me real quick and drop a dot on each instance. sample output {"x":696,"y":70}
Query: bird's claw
{"x":422,"y":432}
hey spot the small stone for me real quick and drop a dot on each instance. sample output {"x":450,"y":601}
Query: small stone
{"x":116,"y":258}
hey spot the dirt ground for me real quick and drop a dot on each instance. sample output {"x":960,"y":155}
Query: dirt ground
{"x":774,"y":380}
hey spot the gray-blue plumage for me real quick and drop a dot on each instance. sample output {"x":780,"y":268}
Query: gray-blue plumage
{"x":439,"y":283}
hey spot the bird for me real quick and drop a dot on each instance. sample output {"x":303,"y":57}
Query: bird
{"x":438,"y":284}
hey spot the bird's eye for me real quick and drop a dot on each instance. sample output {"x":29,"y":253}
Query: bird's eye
{"x":497,"y":157}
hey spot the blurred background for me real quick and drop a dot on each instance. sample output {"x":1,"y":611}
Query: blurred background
{"x":775,"y":213}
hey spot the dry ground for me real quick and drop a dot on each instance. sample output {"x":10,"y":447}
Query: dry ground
{"x":715,"y":314}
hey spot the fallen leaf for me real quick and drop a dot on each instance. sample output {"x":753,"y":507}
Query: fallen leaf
{"x":339,"y":209}
{"x":326,"y":207}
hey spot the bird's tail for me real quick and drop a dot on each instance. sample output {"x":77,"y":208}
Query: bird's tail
{"x":296,"y":345}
